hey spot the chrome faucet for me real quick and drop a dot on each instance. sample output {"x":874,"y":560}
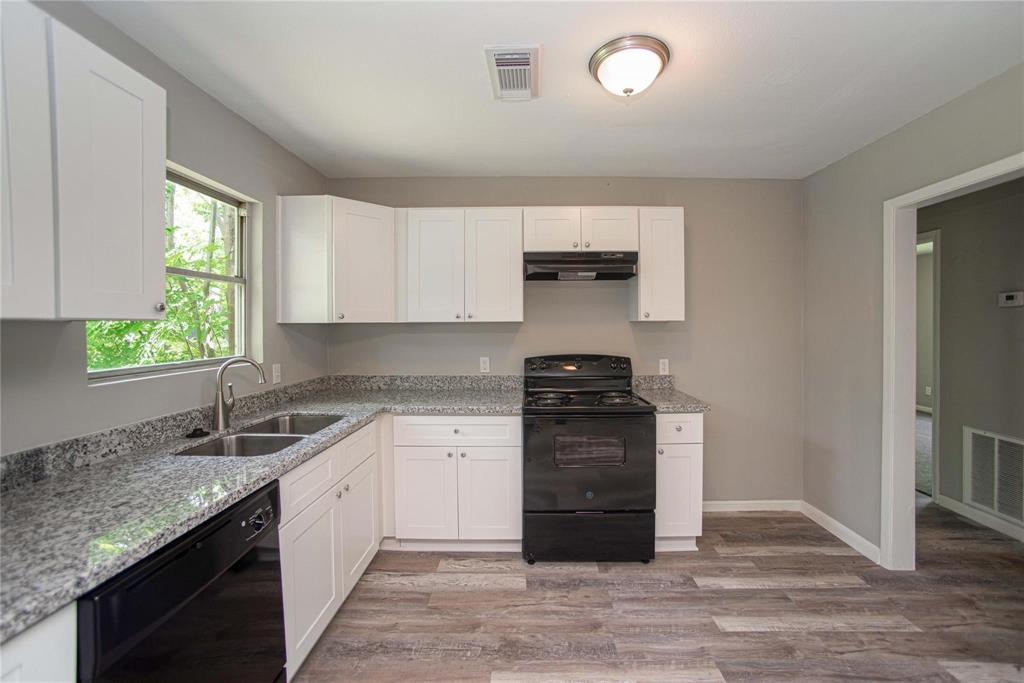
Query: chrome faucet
{"x":222,"y":406}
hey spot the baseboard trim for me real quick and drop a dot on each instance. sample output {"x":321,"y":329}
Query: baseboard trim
{"x":455,"y":546}
{"x":981,"y":517}
{"x":923,"y":409}
{"x":842,"y":532}
{"x":752,"y":506}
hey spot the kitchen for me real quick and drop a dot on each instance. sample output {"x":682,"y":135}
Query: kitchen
{"x":407,"y":256}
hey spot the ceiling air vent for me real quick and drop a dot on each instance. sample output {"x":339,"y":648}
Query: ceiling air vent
{"x":513,"y":70}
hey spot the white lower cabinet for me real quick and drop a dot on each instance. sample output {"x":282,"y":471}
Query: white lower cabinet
{"x":326,"y":546}
{"x":680,"y":480}
{"x":469,"y":489}
{"x":43,"y":653}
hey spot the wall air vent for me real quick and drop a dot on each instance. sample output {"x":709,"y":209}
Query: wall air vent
{"x":994,"y":474}
{"x":514,"y":71}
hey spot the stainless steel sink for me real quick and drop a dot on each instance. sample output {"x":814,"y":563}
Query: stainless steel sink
{"x":244,"y":445}
{"x":292,"y":424}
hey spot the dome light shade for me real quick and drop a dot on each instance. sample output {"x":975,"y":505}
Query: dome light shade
{"x":628,"y":65}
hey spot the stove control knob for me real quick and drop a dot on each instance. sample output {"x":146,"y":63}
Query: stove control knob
{"x":543,"y":365}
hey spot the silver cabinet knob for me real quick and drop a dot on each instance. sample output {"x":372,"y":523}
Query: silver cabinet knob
{"x":587,"y":244}
{"x":338,"y":494}
{"x":575,"y":244}
{"x":679,"y":428}
{"x":458,"y":316}
{"x":341,"y":316}
{"x":456,"y":430}
{"x":160,"y":307}
{"x":462,"y":455}
{"x":450,"y":454}
{"x":661,"y":451}
{"x":469,"y":315}
{"x":647,"y":315}
{"x":345,"y":488}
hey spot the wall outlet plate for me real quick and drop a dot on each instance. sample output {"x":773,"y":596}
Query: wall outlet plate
{"x":927,"y":390}
{"x":485,"y":364}
{"x":1011,"y":299}
{"x":275,"y":373}
{"x":663,"y":366}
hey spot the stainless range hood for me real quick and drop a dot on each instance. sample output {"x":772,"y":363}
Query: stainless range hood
{"x":576,"y":266}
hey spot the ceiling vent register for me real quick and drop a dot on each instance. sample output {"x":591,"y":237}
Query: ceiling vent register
{"x":514,"y":71}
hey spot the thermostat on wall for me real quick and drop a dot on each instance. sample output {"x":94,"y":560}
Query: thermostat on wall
{"x":1009,"y":299}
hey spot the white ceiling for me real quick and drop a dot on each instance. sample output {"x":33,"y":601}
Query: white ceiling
{"x":766,"y":90}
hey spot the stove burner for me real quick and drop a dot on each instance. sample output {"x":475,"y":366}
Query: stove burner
{"x":550,"y":398}
{"x":615,"y":398}
{"x":549,"y":402}
{"x":552,"y":394}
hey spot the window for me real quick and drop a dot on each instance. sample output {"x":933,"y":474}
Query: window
{"x":204,"y":232}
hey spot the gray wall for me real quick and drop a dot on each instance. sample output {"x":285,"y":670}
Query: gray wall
{"x":45,"y":396}
{"x":739,"y":349}
{"x":981,"y":345}
{"x":925,"y":328}
{"x":843,"y":284}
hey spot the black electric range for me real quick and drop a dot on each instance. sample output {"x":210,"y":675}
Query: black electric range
{"x":588,"y":461}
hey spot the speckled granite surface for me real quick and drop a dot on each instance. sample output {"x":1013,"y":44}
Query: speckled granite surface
{"x":70,"y":532}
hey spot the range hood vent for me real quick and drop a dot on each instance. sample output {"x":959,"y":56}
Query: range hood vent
{"x":514,"y":71}
{"x":579,"y":266}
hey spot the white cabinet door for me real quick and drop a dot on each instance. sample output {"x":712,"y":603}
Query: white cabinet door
{"x":551,"y":228}
{"x":661,"y":280}
{"x":27,"y":277}
{"x":359,"y":536}
{"x":110,"y":148}
{"x":364,"y":262}
{"x":312,"y":576}
{"x":46,"y":651}
{"x":609,"y":228}
{"x":426,"y":493}
{"x":490,"y":493}
{"x":494,"y":265}
{"x":305,"y":259}
{"x":436,"y":272}
{"x":680,"y":485}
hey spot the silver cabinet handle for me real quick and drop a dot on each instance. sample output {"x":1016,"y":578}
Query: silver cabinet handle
{"x":647,"y":315}
{"x":661,"y":451}
{"x":458,"y":316}
{"x":341,"y":316}
{"x":450,"y":454}
{"x":575,"y":244}
{"x":469,"y":315}
{"x":160,"y":307}
{"x":456,"y":430}
{"x":587,"y":244}
{"x":338,"y":494}
{"x":345,"y":488}
{"x":679,"y":428}
{"x":462,"y":455}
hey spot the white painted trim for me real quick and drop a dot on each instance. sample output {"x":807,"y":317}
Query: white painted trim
{"x":670,"y":545}
{"x":924,"y":409}
{"x":842,"y":532}
{"x":452,"y":546}
{"x":899,"y":227}
{"x":752,"y":505}
{"x":935,"y":237}
{"x":981,"y":517}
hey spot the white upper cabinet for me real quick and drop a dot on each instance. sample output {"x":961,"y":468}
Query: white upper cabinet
{"x":27,"y":278}
{"x":661,"y":282}
{"x":336,"y":260}
{"x":551,"y":228}
{"x":609,"y":228}
{"x":364,"y":262}
{"x":110,"y":150}
{"x":436,"y":265}
{"x":494,"y":265}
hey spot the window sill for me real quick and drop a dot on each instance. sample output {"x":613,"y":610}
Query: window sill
{"x":107,"y":377}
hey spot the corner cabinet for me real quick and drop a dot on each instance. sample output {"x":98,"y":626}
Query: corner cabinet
{"x":330,"y":514}
{"x":87,"y":131}
{"x":660,"y":286}
{"x":463,"y":265}
{"x":336,"y":261}
{"x":680,"y":480}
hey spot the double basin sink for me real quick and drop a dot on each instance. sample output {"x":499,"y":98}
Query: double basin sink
{"x":266,"y":437}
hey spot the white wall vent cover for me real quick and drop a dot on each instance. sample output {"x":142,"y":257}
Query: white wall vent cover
{"x":514,"y":71}
{"x":994,"y":474}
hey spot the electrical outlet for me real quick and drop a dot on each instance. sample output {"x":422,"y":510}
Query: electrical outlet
{"x":485,"y":364}
{"x":275,"y":373}
{"x":927,"y":391}
{"x":663,"y":366}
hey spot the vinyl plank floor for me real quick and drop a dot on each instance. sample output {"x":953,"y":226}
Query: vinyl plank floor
{"x":766,"y":597}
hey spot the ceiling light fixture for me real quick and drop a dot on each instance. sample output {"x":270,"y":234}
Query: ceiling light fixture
{"x":628,"y":65}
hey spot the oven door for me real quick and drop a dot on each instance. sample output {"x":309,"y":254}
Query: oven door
{"x":576,"y":463}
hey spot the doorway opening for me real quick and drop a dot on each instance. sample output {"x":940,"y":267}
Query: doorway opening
{"x":926,"y":472}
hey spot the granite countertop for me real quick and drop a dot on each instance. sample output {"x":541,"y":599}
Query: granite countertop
{"x":67,"y":534}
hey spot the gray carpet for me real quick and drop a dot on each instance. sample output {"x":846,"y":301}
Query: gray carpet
{"x":923,"y":448}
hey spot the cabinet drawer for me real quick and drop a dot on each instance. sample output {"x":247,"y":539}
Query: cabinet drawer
{"x":358,"y":447}
{"x":310,"y":480}
{"x":458,"y":431}
{"x":681,"y":428}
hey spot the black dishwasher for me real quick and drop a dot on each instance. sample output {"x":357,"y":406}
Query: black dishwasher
{"x":207,"y":607}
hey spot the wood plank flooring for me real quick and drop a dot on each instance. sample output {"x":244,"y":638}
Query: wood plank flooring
{"x":768,"y":597}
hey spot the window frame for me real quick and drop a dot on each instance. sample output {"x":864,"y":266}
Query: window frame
{"x":239,"y":279}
